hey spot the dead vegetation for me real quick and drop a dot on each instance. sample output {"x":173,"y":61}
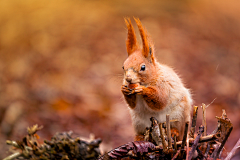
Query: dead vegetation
{"x":61,"y":146}
{"x":159,"y":144}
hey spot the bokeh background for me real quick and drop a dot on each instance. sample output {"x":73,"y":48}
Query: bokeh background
{"x":61,"y":63}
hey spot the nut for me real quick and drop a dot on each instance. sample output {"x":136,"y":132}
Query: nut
{"x":132,"y":85}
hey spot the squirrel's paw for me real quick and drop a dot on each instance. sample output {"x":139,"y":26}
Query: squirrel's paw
{"x":139,"y":89}
{"x":126,"y":90}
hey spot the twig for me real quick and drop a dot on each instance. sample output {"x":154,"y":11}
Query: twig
{"x":187,"y":149}
{"x":214,"y":154}
{"x":200,"y":153}
{"x":204,"y":125}
{"x":208,"y":138}
{"x":230,"y":155}
{"x":224,"y":114}
{"x":194,"y":120}
{"x":175,"y":142}
{"x":207,"y":150}
{"x":224,"y":141}
{"x":168,"y":131}
{"x":211,"y":103}
{"x":201,"y":140}
{"x":204,"y":119}
{"x":13,"y":143}
{"x":32,"y":130}
{"x":162,"y":137}
{"x":185,"y":135}
{"x":13,"y":156}
{"x":172,"y":121}
{"x":176,"y":155}
{"x":225,"y":127}
{"x":195,"y":143}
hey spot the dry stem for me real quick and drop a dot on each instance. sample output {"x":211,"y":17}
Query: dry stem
{"x":230,"y":155}
{"x":204,"y":123}
{"x":195,"y":143}
{"x":176,"y":155}
{"x":194,"y":120}
{"x":162,"y":137}
{"x":224,"y":141}
{"x":185,"y":135}
{"x":168,"y":131}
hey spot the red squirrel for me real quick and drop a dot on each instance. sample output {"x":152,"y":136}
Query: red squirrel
{"x":152,"y":89}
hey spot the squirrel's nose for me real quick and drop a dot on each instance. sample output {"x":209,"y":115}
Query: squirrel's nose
{"x":129,"y":79}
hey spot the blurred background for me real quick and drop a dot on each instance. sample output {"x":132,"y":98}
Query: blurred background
{"x":61,"y":63}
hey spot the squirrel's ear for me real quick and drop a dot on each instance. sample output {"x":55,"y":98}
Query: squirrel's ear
{"x":146,"y":42}
{"x":131,"y":39}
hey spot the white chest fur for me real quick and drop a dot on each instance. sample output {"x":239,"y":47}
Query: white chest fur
{"x":141,"y":114}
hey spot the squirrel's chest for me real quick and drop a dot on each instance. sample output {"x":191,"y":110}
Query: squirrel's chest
{"x":142,"y":112}
{"x":141,"y":108}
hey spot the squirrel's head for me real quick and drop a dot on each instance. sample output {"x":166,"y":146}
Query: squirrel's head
{"x":140,"y":64}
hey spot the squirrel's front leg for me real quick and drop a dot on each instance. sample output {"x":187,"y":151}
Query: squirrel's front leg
{"x":154,"y":97}
{"x":129,"y":96}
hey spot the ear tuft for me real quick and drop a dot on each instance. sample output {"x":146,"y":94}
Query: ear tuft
{"x":145,"y":43}
{"x":131,"y":42}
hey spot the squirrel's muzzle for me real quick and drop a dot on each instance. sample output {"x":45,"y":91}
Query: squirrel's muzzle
{"x":129,"y":79}
{"x":130,"y":76}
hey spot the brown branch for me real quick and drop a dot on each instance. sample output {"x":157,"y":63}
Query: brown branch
{"x":168,"y":131}
{"x":13,"y":143}
{"x":230,"y":155}
{"x":194,"y":121}
{"x":224,"y":114}
{"x":214,"y":154}
{"x":204,"y":119}
{"x":200,"y":153}
{"x":187,"y":148}
{"x":208,"y":138}
{"x":185,"y":135}
{"x":13,"y":156}
{"x":201,"y":140}
{"x":207,"y":150}
{"x":195,"y":143}
{"x":175,"y":142}
{"x":204,"y":123}
{"x":224,"y":141}
{"x":164,"y":146}
{"x":176,"y":155}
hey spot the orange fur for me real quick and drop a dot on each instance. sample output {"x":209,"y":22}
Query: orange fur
{"x":143,"y":34}
{"x":131,"y":100}
{"x":174,"y":132}
{"x":152,"y":89}
{"x":139,"y":137}
{"x":131,"y":42}
{"x":156,"y":101}
{"x":146,"y":42}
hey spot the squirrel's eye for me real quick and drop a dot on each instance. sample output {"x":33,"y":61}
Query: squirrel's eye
{"x":143,"y":68}
{"x":123,"y":67}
